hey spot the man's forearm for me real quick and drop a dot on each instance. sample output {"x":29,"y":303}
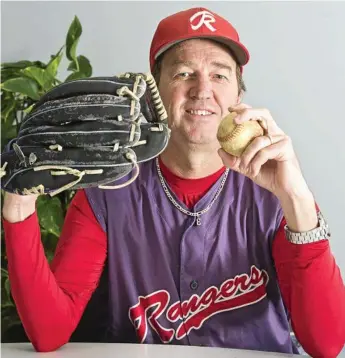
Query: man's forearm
{"x":313,"y":292}
{"x":299,"y":211}
{"x":309,"y":279}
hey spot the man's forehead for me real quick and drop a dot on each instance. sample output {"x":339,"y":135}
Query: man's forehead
{"x":197,"y":49}
{"x":193,"y":54}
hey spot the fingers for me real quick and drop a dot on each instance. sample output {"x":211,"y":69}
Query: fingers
{"x":258,"y":153}
{"x":256,"y":146}
{"x":263,"y":115}
{"x":273,"y":152}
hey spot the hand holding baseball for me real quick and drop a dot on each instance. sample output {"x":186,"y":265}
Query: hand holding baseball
{"x":260,"y":150}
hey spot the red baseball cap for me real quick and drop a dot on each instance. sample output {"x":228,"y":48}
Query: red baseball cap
{"x":196,"y":23}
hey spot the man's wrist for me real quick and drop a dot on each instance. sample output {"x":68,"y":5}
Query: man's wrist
{"x":299,"y":211}
{"x":321,"y":232}
{"x":17,"y":208}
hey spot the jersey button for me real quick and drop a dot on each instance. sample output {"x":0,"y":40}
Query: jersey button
{"x":194,"y":284}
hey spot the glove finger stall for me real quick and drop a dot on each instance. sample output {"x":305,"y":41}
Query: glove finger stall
{"x":81,"y":135}
{"x":82,"y":109}
{"x":94,"y":85}
{"x":142,"y":86}
{"x":57,"y":169}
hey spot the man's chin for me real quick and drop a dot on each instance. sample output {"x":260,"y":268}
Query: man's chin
{"x":202,"y":141}
{"x":197,"y":135}
{"x":202,"y":137}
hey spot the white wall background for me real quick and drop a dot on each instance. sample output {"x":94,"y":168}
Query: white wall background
{"x":297,"y":68}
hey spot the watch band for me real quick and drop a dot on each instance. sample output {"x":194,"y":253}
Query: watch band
{"x":322,"y":232}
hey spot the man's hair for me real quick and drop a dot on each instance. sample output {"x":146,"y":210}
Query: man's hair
{"x":157,"y":67}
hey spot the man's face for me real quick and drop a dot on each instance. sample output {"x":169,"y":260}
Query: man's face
{"x":197,"y":84}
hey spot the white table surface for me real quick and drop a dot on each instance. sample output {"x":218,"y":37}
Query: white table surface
{"x":112,"y":350}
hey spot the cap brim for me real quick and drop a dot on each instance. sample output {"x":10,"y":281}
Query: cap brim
{"x":238,"y":50}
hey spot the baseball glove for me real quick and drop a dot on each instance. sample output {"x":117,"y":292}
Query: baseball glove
{"x":86,"y":133}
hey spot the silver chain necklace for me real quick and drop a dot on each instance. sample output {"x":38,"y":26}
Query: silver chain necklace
{"x":178,"y":206}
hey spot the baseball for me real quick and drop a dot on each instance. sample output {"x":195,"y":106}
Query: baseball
{"x":235,"y":138}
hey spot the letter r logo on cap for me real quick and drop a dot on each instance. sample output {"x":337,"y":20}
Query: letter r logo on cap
{"x":206,"y":18}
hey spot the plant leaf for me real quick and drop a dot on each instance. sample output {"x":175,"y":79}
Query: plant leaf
{"x":84,"y":66}
{"x":49,"y":241}
{"x":73,"y":66}
{"x":8,"y":106}
{"x":28,"y":110}
{"x":8,"y":288}
{"x":8,"y":127}
{"x":39,"y":64}
{"x":40,"y":75}
{"x":22,"y":64}
{"x":22,"y":85}
{"x":50,"y":214}
{"x":54,"y":63}
{"x":75,"y":76}
{"x":9,"y":318}
{"x":73,"y":35}
{"x":9,"y":73}
{"x":19,"y":64}
{"x":7,"y":305}
{"x":4,"y":273}
{"x":7,"y":133}
{"x":49,"y":255}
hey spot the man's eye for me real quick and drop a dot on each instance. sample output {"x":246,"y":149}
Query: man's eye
{"x":183,"y":74}
{"x":220,"y":77}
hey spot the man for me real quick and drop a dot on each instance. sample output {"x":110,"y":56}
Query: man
{"x":192,"y":252}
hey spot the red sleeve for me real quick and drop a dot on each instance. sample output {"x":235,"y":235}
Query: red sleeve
{"x":51,"y":300}
{"x":313,"y":292}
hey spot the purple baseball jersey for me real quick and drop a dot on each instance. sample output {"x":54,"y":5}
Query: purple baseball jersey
{"x":172,"y":281}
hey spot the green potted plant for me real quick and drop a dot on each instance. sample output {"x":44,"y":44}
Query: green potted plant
{"x":22,"y":84}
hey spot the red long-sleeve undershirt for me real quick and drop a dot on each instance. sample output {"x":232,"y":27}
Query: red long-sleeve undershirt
{"x":51,"y":300}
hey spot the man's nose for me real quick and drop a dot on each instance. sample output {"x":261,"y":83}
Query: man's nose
{"x":201,"y":88}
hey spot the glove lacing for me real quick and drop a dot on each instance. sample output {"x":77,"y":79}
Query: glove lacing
{"x":162,"y":114}
{"x":3,"y":170}
{"x":130,"y":155}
